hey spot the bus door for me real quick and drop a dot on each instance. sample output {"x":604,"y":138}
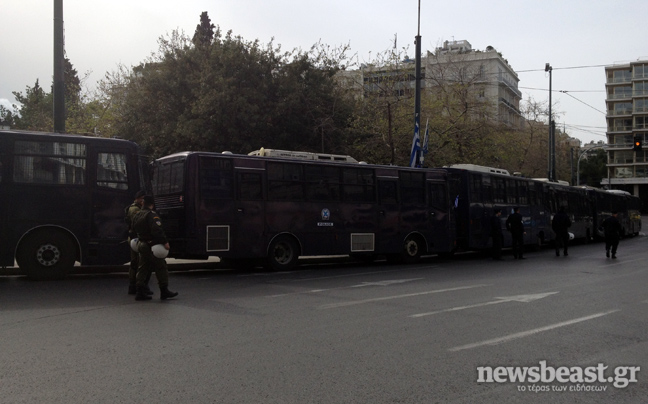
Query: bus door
{"x":114,"y":189}
{"x":439,"y":239}
{"x":388,"y":239}
{"x":249,"y":212}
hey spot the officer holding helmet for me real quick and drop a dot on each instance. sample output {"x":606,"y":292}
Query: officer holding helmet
{"x":151,"y":237}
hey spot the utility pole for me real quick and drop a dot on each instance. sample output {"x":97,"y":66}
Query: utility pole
{"x":551,"y":171}
{"x":59,"y":69}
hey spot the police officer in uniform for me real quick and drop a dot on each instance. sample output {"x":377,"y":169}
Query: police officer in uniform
{"x":515,"y":225}
{"x":612,"y":229}
{"x":149,"y":231}
{"x":130,"y":213}
{"x":496,"y":234}
{"x":560,"y":225}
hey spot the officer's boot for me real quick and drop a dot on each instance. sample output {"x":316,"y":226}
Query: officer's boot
{"x":141,"y":294}
{"x":147,"y":290}
{"x":165,"y":293}
{"x":146,"y":285}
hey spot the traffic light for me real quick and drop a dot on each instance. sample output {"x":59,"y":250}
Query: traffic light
{"x":638,"y":142}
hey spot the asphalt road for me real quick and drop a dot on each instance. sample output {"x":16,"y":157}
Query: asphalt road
{"x":339,"y":333}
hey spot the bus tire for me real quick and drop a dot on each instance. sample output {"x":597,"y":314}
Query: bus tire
{"x":46,"y":255}
{"x":412,"y":249}
{"x":283,"y":253}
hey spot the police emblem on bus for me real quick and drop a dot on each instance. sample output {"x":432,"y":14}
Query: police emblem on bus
{"x":326,"y":217}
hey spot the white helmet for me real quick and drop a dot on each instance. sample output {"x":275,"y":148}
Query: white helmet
{"x":133,"y":244}
{"x":571,"y":236}
{"x":159,"y":251}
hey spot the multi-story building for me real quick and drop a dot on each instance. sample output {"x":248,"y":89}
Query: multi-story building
{"x":627,"y":117}
{"x":485,"y":74}
{"x":487,"y":71}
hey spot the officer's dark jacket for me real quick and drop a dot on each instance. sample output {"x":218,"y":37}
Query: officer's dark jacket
{"x":561,"y":222}
{"x":514,"y":223}
{"x":496,"y":226}
{"x":611,"y":227}
{"x":148,"y":226}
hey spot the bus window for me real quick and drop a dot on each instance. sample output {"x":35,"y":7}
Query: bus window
{"x":358,"y":185}
{"x":387,"y":192}
{"x":437,"y":196}
{"x":49,"y":163}
{"x":487,"y":189}
{"x":322,"y":183}
{"x":499,"y":192}
{"x":215,"y":178}
{"x":511,"y":192}
{"x":285,"y":182}
{"x":249,"y":187}
{"x":168,"y":178}
{"x":111,"y":170}
{"x":523,"y":192}
{"x":476,"y":187}
{"x":412,"y":187}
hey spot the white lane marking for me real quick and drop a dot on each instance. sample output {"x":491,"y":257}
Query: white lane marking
{"x":518,"y":298}
{"x":511,"y":337}
{"x":363,"y":284}
{"x":381,"y":299}
{"x":385,"y":283}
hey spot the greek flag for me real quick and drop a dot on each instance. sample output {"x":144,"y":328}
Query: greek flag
{"x":416,"y":148}
{"x":424,"y":150}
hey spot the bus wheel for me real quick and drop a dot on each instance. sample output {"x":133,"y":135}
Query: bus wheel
{"x":283,"y":253}
{"x":412,"y":250}
{"x":46,"y":255}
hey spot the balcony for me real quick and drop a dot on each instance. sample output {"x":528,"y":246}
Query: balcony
{"x":619,"y":80}
{"x":621,"y":96}
{"x":620,"y":128}
{"x":620,"y":112}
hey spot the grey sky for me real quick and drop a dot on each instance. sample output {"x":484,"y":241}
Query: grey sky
{"x":100,"y":34}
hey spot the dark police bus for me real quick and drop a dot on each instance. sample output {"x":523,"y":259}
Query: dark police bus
{"x":277,"y":205}
{"x":62,"y":200}
{"x":479,"y":190}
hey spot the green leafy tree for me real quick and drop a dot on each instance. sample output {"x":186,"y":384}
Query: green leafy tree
{"x":227,"y":94}
{"x":6,"y":117}
{"x":204,"y":34}
{"x":35,"y":110}
{"x":35,"y":106}
{"x":593,"y":169}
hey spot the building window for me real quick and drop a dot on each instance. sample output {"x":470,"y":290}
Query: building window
{"x":623,"y":140}
{"x":622,"y":157}
{"x":622,"y":76}
{"x":621,"y":125}
{"x":640,"y":89}
{"x":641,"y":105}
